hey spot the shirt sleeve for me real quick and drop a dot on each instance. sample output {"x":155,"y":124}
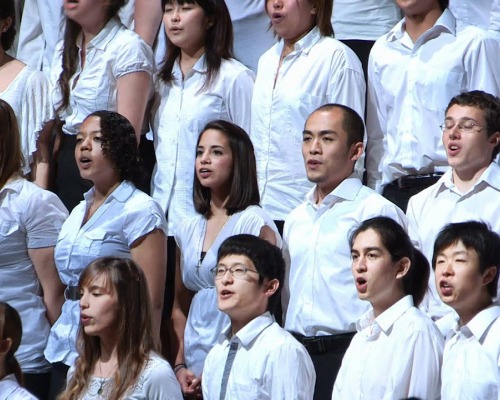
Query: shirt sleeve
{"x":290,"y":373}
{"x":376,"y":126}
{"x":413,"y":229}
{"x":143,"y":219}
{"x":44,"y":216}
{"x":239,"y":99}
{"x":161,"y":383}
{"x":133,"y":55}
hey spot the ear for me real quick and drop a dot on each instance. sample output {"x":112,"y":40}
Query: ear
{"x":271,"y":287}
{"x":210,"y":22}
{"x":314,"y":11}
{"x":356,"y":151}
{"x":5,"y":345}
{"x":403,"y":267}
{"x":6,"y":23}
{"x":489,"y":275}
{"x":494,"y":139}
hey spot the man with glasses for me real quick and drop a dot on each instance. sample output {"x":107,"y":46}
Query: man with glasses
{"x":323,"y":303}
{"x":470,"y":190}
{"x":425,"y":60}
{"x":254,"y":358}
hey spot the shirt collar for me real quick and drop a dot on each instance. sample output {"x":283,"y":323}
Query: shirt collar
{"x":250,"y":331}
{"x":305,"y":44}
{"x":101,"y":40}
{"x":200,"y":66}
{"x":120,"y":194}
{"x":490,"y":177}
{"x":446,"y":22}
{"x":387,"y":319}
{"x":347,"y":190}
{"x":13,"y":185}
{"x":479,"y":325}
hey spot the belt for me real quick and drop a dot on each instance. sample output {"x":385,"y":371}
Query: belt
{"x":72,"y":293}
{"x":408,"y":181}
{"x":325,"y":344}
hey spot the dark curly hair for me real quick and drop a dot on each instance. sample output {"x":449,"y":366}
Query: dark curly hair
{"x":7,"y":10}
{"x":119,"y":144}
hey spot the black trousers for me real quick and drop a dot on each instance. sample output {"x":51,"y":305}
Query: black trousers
{"x":58,"y":376}
{"x":37,"y":384}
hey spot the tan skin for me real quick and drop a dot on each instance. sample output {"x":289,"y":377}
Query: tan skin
{"x":190,"y":383}
{"x":9,"y":70}
{"x":419,"y":17}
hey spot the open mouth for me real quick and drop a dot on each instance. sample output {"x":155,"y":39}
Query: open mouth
{"x":361,"y":284}
{"x":224,"y":294}
{"x":446,"y":288}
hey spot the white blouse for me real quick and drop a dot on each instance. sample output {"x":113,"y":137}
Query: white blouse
{"x":113,"y":53}
{"x":125,"y":216}
{"x":180,"y":112}
{"x":29,"y":96}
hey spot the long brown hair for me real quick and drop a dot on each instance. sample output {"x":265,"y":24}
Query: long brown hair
{"x":11,"y":328}
{"x":11,"y":158}
{"x":218,"y":40}
{"x":70,"y":51}
{"x":135,"y":338}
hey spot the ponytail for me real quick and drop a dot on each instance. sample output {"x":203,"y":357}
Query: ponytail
{"x":11,"y":328}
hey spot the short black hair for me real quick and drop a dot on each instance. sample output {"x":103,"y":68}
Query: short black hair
{"x":119,"y":144}
{"x":475,"y":235}
{"x":486,"y":102}
{"x":7,"y":10}
{"x":265,"y":256}
{"x":352,"y":122}
{"x":397,"y":242}
{"x":444,"y":4}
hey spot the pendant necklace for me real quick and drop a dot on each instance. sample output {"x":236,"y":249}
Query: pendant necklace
{"x":102,"y":381}
{"x":200,"y":245}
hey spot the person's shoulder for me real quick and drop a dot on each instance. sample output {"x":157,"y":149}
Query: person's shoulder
{"x":231,"y":65}
{"x":417,"y":322}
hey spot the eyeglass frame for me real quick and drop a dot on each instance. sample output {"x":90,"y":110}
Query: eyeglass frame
{"x":231,"y":271}
{"x":463,"y":128}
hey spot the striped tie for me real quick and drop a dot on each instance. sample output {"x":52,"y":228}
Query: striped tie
{"x":233,"y":347}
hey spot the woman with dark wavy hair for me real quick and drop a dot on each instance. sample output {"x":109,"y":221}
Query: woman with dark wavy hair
{"x":115,"y":219}
{"x":118,"y":353}
{"x":100,"y":65}
{"x":226,"y":198}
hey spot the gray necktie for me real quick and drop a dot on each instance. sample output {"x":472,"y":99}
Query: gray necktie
{"x":233,"y":347}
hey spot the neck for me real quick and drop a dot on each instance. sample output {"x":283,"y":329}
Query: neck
{"x":324,"y":190}
{"x":417,"y":24}
{"x":380,"y":307}
{"x":109,"y":354}
{"x":189,"y":58}
{"x":4,"y":57}
{"x":218,"y":203}
{"x":92,"y":30}
{"x":464,"y":180}
{"x":466,"y":315}
{"x":102,"y":192}
{"x":289,"y":44}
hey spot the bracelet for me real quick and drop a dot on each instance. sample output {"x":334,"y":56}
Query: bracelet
{"x":178,"y":367}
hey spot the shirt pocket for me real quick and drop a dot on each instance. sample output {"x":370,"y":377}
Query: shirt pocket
{"x":90,"y":242}
{"x":240,"y":390}
{"x":439,"y":87}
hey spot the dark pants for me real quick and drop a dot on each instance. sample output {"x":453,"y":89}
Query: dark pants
{"x":58,"y":376}
{"x":37,"y":384}
{"x":326,"y":354}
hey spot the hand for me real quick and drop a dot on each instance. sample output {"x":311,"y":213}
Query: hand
{"x":190,"y":384}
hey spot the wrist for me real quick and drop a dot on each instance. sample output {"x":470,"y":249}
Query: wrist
{"x":178,"y":367}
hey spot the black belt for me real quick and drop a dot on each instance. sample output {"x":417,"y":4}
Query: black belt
{"x":72,"y":293}
{"x":325,"y":344}
{"x":408,"y":181}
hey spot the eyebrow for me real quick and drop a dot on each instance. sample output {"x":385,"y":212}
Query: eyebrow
{"x":97,"y":131}
{"x":320,"y":133}
{"x":460,"y":119}
{"x":455,"y":253}
{"x":367,"y":249}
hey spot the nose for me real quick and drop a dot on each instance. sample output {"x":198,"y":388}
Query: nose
{"x":359,"y":264}
{"x":277,"y":4}
{"x":84,"y":301}
{"x":86,"y":143}
{"x":315,"y":146}
{"x":205,"y":157}
{"x":446,"y":269}
{"x":227,"y":278}
{"x":454,"y":133}
{"x":175,"y":15}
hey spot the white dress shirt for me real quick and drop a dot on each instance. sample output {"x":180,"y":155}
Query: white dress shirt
{"x":394,"y":356}
{"x":11,"y":390}
{"x":252,"y":36}
{"x":180,"y":112}
{"x":482,"y":13}
{"x":323,"y":298}
{"x":364,"y":19}
{"x":319,"y":70}
{"x":30,"y":218}
{"x":205,"y":321}
{"x":471,"y":359}
{"x":156,"y":381}
{"x":29,"y":96}
{"x":442,"y":203}
{"x":125,"y":216}
{"x":410,"y":85}
{"x":113,"y":53}
{"x":269,"y":364}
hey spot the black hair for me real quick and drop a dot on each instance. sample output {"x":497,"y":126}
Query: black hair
{"x":352,"y":122}
{"x":119,"y":144}
{"x":444,"y":4}
{"x":397,"y":242}
{"x":477,"y":236}
{"x":7,"y":10}
{"x":265,"y":256}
